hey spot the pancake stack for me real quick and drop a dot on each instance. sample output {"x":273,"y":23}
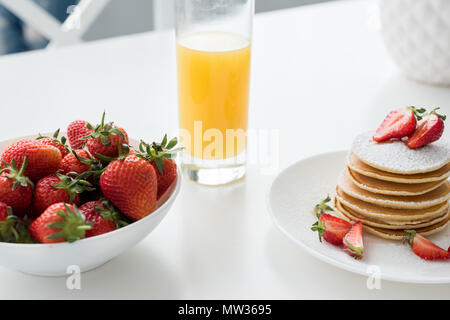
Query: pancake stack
{"x":391,"y":188}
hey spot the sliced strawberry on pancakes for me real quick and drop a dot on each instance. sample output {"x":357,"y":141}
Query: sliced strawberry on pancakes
{"x":398,"y":124}
{"x":430,"y":129}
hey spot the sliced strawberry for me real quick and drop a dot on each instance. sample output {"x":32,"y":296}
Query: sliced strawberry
{"x":430,"y":129}
{"x":353,"y":241}
{"x":398,"y":124}
{"x":331,"y":228}
{"x":424,"y":248}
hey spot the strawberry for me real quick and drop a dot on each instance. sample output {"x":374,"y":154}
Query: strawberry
{"x":331,"y":228}
{"x":100,"y":226}
{"x":353,"y":241}
{"x":424,"y":248}
{"x":76,"y":131}
{"x":81,"y":162}
{"x":91,"y":195}
{"x":42,"y":159}
{"x":106,"y":209}
{"x":21,"y":227}
{"x":57,"y":188}
{"x":430,"y":129}
{"x":70,"y":162}
{"x":159,"y":155}
{"x":5,"y":211}
{"x":398,"y":124}
{"x":60,"y":144}
{"x":8,"y":221}
{"x":130,"y":184}
{"x":165,"y":176}
{"x":105,"y":139}
{"x":104,"y":216}
{"x":59,"y":223}
{"x":12,"y":228}
{"x":16,"y":190}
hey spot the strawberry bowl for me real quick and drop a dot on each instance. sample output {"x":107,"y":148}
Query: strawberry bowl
{"x":89,"y":253}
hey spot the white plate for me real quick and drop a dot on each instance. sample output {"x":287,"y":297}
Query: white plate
{"x":291,"y":199}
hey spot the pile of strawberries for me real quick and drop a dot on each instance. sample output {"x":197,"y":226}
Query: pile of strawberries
{"x":52,"y":193}
{"x":340,"y":232}
{"x":418,"y":126}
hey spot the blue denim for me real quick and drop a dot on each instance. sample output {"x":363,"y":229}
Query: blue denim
{"x":12,"y":38}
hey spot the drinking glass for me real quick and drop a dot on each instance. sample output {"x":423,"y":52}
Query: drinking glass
{"x":213,"y":40}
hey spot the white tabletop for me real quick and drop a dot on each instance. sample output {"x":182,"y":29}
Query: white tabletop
{"x":320,"y":76}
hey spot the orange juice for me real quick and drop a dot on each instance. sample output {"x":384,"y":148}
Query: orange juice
{"x":213,"y":90}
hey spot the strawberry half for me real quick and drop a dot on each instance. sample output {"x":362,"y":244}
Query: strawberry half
{"x":331,"y":228}
{"x":398,"y":124}
{"x":353,"y":241}
{"x":424,"y":248}
{"x":430,"y":129}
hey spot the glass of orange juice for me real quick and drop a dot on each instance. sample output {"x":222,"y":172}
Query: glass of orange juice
{"x":213,"y":39}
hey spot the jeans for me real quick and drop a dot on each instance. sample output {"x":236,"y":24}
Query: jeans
{"x":12,"y":38}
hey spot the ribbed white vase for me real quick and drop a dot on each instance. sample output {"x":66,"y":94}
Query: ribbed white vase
{"x":417,"y":35}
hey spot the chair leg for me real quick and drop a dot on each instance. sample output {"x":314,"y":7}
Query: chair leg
{"x":36,"y":17}
{"x":82,"y":16}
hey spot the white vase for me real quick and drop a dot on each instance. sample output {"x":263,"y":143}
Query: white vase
{"x":417,"y":35}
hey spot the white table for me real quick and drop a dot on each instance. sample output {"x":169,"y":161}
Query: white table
{"x":320,"y":75}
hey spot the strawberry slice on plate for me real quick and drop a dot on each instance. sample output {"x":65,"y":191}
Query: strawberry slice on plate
{"x":353,"y":241}
{"x":424,"y":248}
{"x":430,"y":129}
{"x":331,"y":228}
{"x":398,"y":124}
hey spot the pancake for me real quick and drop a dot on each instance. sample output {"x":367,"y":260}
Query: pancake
{"x":392,"y":234}
{"x":352,"y":215}
{"x":392,"y":188}
{"x":374,"y":211}
{"x":359,"y":166}
{"x":394,"y":155}
{"x":398,"y":234}
{"x":435,"y":197}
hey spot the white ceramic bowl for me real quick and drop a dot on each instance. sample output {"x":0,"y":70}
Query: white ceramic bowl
{"x":417,"y":35}
{"x":87,"y":254}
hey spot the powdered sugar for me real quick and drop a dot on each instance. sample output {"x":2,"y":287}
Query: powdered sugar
{"x":395,"y":156}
